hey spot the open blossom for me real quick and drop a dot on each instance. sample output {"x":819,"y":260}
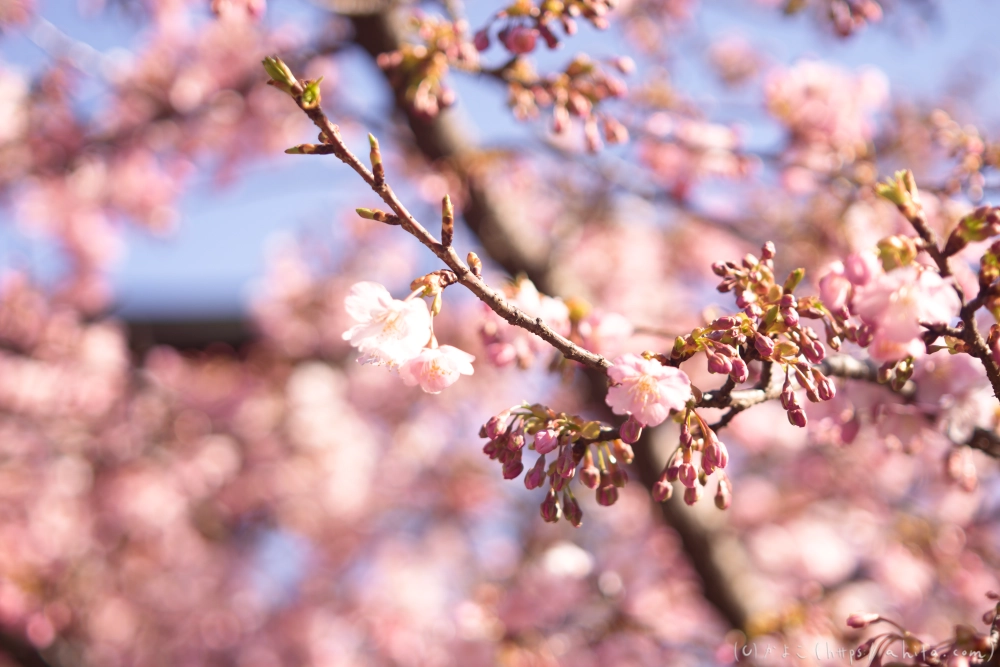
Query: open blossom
{"x":436,"y":368}
{"x":895,"y":303}
{"x":389,"y":331}
{"x":646,"y":389}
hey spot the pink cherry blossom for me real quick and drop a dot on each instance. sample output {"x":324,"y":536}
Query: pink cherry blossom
{"x":646,"y":389}
{"x":436,"y":368}
{"x":390,"y":331}
{"x":835,"y":288}
{"x":605,"y":332}
{"x":895,"y":303}
{"x":861,"y":267}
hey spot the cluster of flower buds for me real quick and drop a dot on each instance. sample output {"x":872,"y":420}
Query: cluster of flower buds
{"x":419,"y":70}
{"x":770,"y":329}
{"x":565,"y":445}
{"x":967,"y":647}
{"x":696,"y":436}
{"x":850,"y":15}
{"x":971,"y":152}
{"x":845,"y":15}
{"x":572,"y":93}
{"x":524,"y":21}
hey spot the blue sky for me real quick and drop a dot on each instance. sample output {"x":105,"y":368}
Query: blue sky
{"x":224,"y":235}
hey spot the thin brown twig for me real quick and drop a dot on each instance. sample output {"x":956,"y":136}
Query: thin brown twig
{"x":333,"y":143}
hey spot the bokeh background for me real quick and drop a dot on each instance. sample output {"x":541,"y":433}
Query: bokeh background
{"x":195,"y":471}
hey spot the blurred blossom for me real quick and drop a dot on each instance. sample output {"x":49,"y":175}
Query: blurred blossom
{"x":505,"y":343}
{"x":895,"y":303}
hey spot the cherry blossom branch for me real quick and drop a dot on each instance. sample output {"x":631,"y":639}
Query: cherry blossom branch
{"x":306,"y":96}
{"x":902,"y":191}
{"x":985,"y":441}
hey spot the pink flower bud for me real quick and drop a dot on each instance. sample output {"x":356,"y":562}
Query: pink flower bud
{"x":767,"y":251}
{"x":764,"y":345}
{"x":492,"y":449}
{"x":535,"y":476}
{"x":572,"y":510}
{"x":717,"y":454}
{"x":740,"y":371}
{"x":624,"y":452}
{"x":686,"y":440}
{"x":673,"y":468}
{"x":787,"y":396}
{"x":546,"y":441}
{"x":725,"y":323}
{"x":558,"y":482}
{"x":687,"y":475}
{"x":550,"y":38}
{"x":519,"y":39}
{"x":607,"y":495}
{"x":513,"y":468}
{"x":624,"y":64}
{"x":719,"y":364}
{"x":592,"y":135}
{"x":565,"y":465}
{"x":618,"y":476}
{"x":614,"y":131}
{"x":692,"y":494}
{"x":791,"y":316}
{"x":630,"y":430}
{"x":560,"y":118}
{"x":724,"y":495}
{"x":662,"y":490}
{"x":860,"y":620}
{"x":825,"y":387}
{"x":607,"y":492}
{"x":797,"y":417}
{"x":865,"y":335}
{"x":814,"y":351}
{"x":550,"y":508}
{"x":497,"y":425}
{"x":481,"y":40}
{"x":515,"y":441}
{"x":866,"y":647}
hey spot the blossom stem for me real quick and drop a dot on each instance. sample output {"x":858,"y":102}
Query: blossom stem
{"x":334,"y":144}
